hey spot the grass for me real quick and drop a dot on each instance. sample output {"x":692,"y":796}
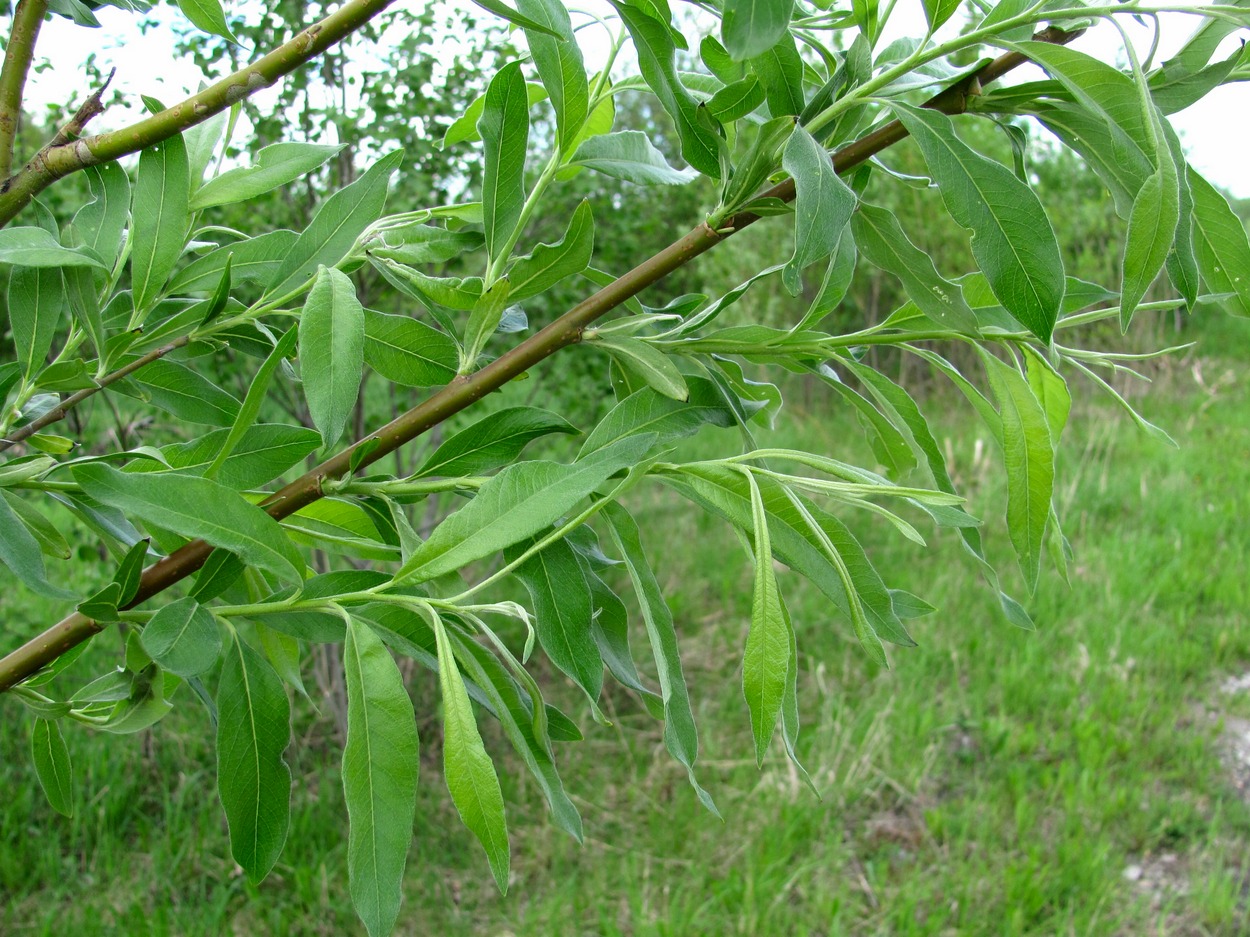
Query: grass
{"x":992,"y":782}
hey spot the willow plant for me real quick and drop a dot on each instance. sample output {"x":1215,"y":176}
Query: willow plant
{"x":784,"y":109}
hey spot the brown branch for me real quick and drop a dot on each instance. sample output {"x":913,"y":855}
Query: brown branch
{"x":61,"y":410}
{"x":27,"y":19}
{"x":55,"y":162}
{"x":465,"y":390}
{"x":90,"y":109}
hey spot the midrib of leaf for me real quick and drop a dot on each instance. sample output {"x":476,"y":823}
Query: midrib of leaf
{"x":255,"y":746}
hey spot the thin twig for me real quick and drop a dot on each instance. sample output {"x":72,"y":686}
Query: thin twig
{"x":465,"y":390}
{"x":52,"y":163}
{"x":27,"y":19}
{"x":90,"y":109}
{"x":61,"y":410}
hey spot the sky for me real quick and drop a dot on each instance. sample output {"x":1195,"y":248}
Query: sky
{"x":1215,"y":130}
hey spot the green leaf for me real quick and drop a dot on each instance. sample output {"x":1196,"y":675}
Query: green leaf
{"x":130,"y":571}
{"x":766,"y":660}
{"x":647,"y":411}
{"x":1151,"y":231}
{"x":736,"y":100}
{"x":493,"y":441}
{"x":37,"y":304}
{"x":752,"y":27}
{"x":380,"y":764}
{"x":183,"y":638}
{"x":470,"y":775}
{"x":680,"y":735}
{"x":780,"y":70}
{"x":208,"y":17}
{"x":551,"y":263}
{"x":196,"y":507}
{"x":253,"y":730}
{"x":1220,"y":244}
{"x":464,"y":129}
{"x":186,"y":394}
{"x":658,"y":63}
{"x":938,"y":12}
{"x":1051,"y":391}
{"x":52,"y":766}
{"x":562,"y":613}
{"x":256,"y":393}
{"x":19,"y":551}
{"x":51,"y":542}
{"x":629,"y":155}
{"x":407,"y":351}
{"x":1029,"y":457}
{"x":504,"y":11}
{"x":100,"y":224}
{"x":647,"y":362}
{"x":484,"y":319}
{"x":520,"y":501}
{"x":332,"y":351}
{"x":159,"y":220}
{"x":504,"y":128}
{"x":1012,"y":239}
{"x":275,"y":165}
{"x":559,"y":62}
{"x":424,"y":244}
{"x":265,"y":451}
{"x":35,"y":247}
{"x":823,"y":205}
{"x":255,"y":260}
{"x":882,"y":240}
{"x":335,"y":227}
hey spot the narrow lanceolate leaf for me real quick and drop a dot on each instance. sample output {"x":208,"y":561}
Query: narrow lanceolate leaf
{"x":505,"y":134}
{"x":275,"y":165}
{"x":1151,"y":231}
{"x":36,"y":247}
{"x":19,"y":551}
{"x":470,"y":774}
{"x":647,"y":362}
{"x":335,"y":227}
{"x":559,"y":62}
{"x":253,"y":730}
{"x":751,"y":27}
{"x":551,"y":263}
{"x":208,"y":16}
{"x":506,"y":12}
{"x":36,"y":305}
{"x":196,"y":507}
{"x":657,"y":59}
{"x":52,"y":766}
{"x":648,"y":411}
{"x":100,"y":224}
{"x":331,"y":351}
{"x":1012,"y":239}
{"x":520,"y":501}
{"x":380,"y":762}
{"x":680,"y":736}
{"x":1051,"y":391}
{"x":492,"y":441}
{"x":766,"y":660}
{"x":823,"y":205}
{"x":250,"y":408}
{"x":1221,"y":245}
{"x":183,"y":638}
{"x":562,"y":613}
{"x":629,"y":155}
{"x":780,"y":71}
{"x":938,"y":12}
{"x":1029,"y":457}
{"x":185,"y":393}
{"x":882,"y":240}
{"x":159,"y":219}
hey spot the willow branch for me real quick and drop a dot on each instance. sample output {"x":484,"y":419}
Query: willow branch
{"x":90,"y":109}
{"x":27,"y":19}
{"x":465,"y":390}
{"x":55,"y":162}
{"x":61,"y":410}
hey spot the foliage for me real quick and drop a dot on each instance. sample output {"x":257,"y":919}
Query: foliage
{"x":146,"y":293}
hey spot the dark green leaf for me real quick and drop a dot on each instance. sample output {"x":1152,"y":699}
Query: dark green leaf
{"x":559,"y":62}
{"x":332,"y":351}
{"x":275,"y":165}
{"x":493,"y":441}
{"x":1220,"y":244}
{"x":551,"y":263}
{"x":253,"y":730}
{"x":504,"y":128}
{"x":208,"y":16}
{"x":766,"y":659}
{"x":182,"y":637}
{"x":35,"y":247}
{"x":752,"y":27}
{"x":159,"y":219}
{"x":52,"y":766}
{"x":823,"y":205}
{"x":36,"y":307}
{"x":407,"y":351}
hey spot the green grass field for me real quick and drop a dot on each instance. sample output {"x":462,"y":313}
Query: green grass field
{"x":993,"y":782}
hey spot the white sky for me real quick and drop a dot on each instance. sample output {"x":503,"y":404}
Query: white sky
{"x":1215,"y":130}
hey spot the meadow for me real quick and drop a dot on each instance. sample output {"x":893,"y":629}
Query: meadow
{"x":1078,"y":779}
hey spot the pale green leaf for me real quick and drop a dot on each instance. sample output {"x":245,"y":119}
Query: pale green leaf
{"x":183,"y":638}
{"x":159,"y":219}
{"x":752,"y":27}
{"x":331,"y":351}
{"x":559,"y":62}
{"x":504,"y":128}
{"x":823,"y":205}
{"x":766,"y":659}
{"x":276,"y":165}
{"x":37,"y":303}
{"x":629,"y":155}
{"x":548,"y":264}
{"x":52,"y":766}
{"x":492,"y":441}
